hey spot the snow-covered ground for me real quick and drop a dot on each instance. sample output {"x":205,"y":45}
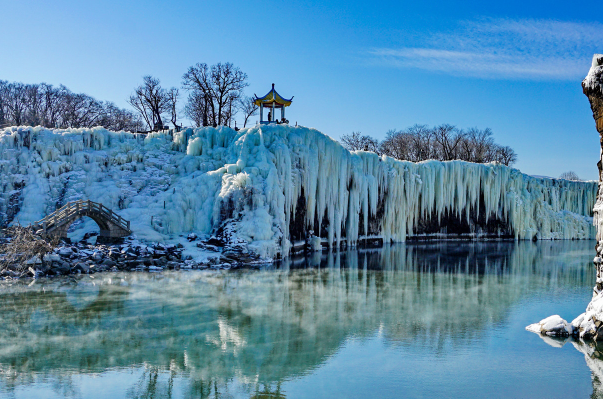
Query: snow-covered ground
{"x":267,"y":186}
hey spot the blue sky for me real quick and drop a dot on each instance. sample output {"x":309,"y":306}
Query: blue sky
{"x":513,"y":66}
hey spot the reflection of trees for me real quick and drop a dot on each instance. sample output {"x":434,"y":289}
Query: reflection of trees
{"x":261,"y":327}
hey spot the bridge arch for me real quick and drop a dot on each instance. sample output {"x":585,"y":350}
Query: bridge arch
{"x":111,"y":225}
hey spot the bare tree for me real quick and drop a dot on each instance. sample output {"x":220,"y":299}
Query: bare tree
{"x":423,"y":143}
{"x":249,"y":108}
{"x":197,"y":80}
{"x":3,"y":102}
{"x":16,"y":102}
{"x":151,"y":101}
{"x":448,"y":139}
{"x":397,"y":144}
{"x":478,"y":145}
{"x":173,"y":95}
{"x":570,"y":175}
{"x":221,"y":88}
{"x":505,"y":155}
{"x":197,"y":108}
{"x":358,"y":142}
{"x":81,"y":110}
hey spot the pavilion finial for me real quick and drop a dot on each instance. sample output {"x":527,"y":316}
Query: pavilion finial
{"x":272,"y":86}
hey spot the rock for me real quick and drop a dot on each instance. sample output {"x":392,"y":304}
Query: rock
{"x":101,"y":268}
{"x":215,"y":242}
{"x":34,"y":261}
{"x":173,"y":265}
{"x":51,"y":257}
{"x":553,"y":326}
{"x":109,"y":263}
{"x":146,"y":261}
{"x":97,"y":256}
{"x":62,"y":268}
{"x":82,"y":267}
{"x":191,"y":237}
{"x":65,"y":251}
{"x":209,"y":247}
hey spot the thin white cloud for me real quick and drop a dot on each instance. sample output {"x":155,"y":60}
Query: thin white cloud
{"x":503,"y":49}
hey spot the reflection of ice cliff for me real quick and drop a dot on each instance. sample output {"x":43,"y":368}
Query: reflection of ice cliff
{"x":271,"y":186}
{"x":263,"y":327}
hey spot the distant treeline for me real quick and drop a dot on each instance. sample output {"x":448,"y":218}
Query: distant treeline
{"x":215,"y":96}
{"x":58,"y":107}
{"x":444,"y":143}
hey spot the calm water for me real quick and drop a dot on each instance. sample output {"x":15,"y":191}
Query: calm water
{"x":407,"y":320}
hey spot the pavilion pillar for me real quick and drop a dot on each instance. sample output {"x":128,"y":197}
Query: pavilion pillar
{"x":273,"y":115}
{"x":261,"y":113}
{"x":283,"y":112}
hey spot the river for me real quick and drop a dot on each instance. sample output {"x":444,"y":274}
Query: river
{"x":411,"y":320}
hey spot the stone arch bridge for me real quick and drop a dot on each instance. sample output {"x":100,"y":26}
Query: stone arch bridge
{"x":112,"y":226}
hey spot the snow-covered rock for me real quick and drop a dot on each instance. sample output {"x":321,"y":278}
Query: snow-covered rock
{"x":263,"y":188}
{"x":593,"y":83}
{"x":553,"y":326}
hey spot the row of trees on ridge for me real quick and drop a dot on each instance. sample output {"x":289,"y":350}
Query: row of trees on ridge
{"x":215,"y":96}
{"x":58,"y":107}
{"x":444,"y":142}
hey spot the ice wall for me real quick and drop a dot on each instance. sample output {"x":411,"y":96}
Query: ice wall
{"x":268,"y":186}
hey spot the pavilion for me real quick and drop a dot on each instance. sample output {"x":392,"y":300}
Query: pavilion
{"x":272,"y":100}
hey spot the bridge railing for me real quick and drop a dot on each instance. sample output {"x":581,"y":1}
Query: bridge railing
{"x":75,"y":208}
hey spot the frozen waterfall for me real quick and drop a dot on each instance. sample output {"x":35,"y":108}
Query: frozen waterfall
{"x":269,"y":186}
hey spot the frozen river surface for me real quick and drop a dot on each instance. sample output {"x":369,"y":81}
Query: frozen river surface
{"x":414,"y":320}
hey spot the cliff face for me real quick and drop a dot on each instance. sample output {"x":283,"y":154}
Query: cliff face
{"x":270,"y":187}
{"x":592,"y":86}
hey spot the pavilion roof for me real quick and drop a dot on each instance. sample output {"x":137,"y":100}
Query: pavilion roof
{"x":272,"y":97}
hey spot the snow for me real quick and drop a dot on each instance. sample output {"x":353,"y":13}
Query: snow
{"x":248,"y":183}
{"x":593,"y":83}
{"x":552,"y":326}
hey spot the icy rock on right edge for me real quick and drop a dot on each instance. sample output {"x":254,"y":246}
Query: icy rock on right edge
{"x":589,"y":323}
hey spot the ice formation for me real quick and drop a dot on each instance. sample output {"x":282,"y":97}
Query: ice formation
{"x":269,"y":187}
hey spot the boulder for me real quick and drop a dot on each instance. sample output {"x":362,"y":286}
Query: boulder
{"x":65,"y":251}
{"x":553,"y":326}
{"x":82,"y":267}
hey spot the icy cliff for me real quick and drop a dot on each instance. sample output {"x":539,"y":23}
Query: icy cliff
{"x":268,"y":187}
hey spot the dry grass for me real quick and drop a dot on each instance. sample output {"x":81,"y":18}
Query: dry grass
{"x":21,"y":245}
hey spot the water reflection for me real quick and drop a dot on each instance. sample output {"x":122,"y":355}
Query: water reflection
{"x":244,"y":333}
